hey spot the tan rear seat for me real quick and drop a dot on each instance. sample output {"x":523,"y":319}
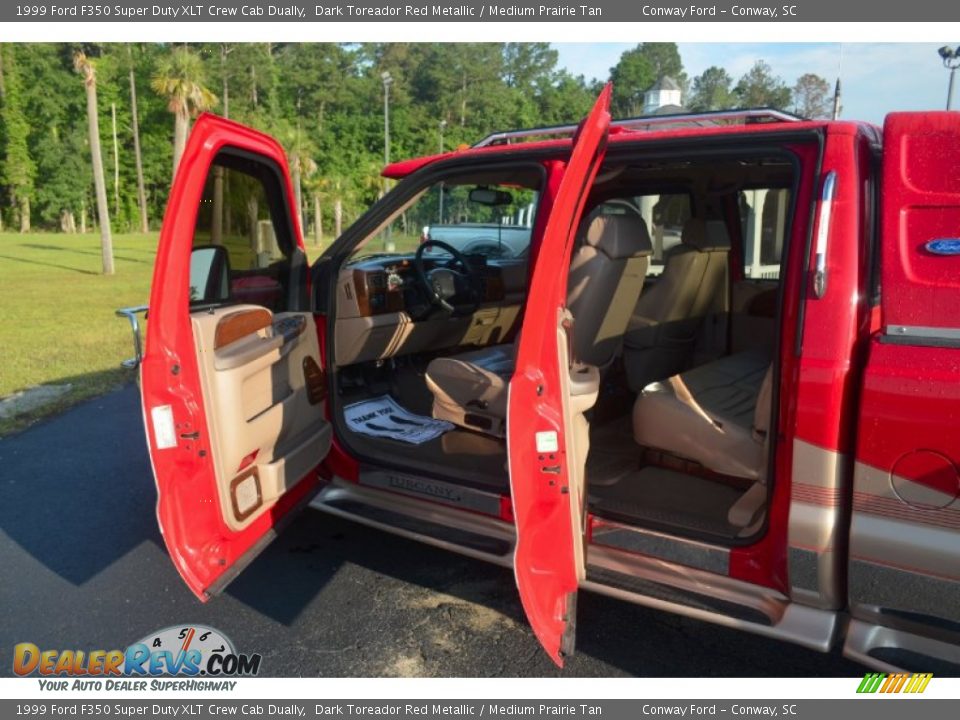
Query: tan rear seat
{"x":716,"y":414}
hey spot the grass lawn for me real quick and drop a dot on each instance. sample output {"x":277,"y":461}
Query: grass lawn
{"x":57,"y":322}
{"x":56,"y":313}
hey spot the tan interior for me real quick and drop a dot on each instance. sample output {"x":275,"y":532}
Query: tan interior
{"x":266,"y":434}
{"x":607,"y":272}
{"x":606,"y":276}
{"x":716,"y":414}
{"x":363,"y":338}
{"x":663,"y":330}
{"x":754,"y":315}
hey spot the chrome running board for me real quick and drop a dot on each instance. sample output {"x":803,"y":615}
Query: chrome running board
{"x":709,"y":597}
{"x":890,"y":650}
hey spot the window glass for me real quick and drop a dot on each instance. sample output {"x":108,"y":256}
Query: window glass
{"x":238,"y":214}
{"x":763,"y":223}
{"x":474,"y":217}
{"x":665,"y":215}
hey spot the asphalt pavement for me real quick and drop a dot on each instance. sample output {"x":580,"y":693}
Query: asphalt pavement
{"x":84,"y":566}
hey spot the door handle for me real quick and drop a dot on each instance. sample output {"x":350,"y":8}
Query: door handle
{"x":823,"y":234}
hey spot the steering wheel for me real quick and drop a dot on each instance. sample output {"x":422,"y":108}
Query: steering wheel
{"x":444,"y":283}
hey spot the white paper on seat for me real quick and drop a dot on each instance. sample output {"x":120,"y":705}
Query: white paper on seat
{"x":383,"y":417}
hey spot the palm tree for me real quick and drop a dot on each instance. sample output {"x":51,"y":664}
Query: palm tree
{"x":135,"y":123}
{"x":179,"y":79}
{"x":88,"y":72}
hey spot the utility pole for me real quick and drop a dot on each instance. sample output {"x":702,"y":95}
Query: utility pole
{"x":951,"y":61}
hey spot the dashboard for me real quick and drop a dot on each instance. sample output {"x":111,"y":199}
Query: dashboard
{"x":388,"y":284}
{"x":382,"y":312}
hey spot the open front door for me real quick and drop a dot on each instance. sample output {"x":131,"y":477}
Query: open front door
{"x":545,"y":429}
{"x":232,"y":383}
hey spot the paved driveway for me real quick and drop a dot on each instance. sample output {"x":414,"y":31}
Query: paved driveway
{"x":84,"y":567}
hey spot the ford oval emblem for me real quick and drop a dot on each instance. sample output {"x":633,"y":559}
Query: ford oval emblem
{"x":944,"y":246}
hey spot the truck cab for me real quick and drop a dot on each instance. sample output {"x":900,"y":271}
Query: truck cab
{"x":716,"y":374}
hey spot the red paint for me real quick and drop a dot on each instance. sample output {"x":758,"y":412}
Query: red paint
{"x":403,"y":168}
{"x":201,"y":546}
{"x":765,"y":561}
{"x":921,"y":203}
{"x":911,"y":393}
{"x":544,"y":563}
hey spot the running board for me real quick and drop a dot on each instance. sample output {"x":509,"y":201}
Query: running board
{"x":890,"y":650}
{"x":646,"y":581}
{"x":470,"y":534}
{"x":709,"y":597}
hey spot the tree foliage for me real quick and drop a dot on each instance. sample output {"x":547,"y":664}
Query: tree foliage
{"x":638,"y":69}
{"x":711,"y":90}
{"x":323,"y":101}
{"x":811,"y":97}
{"x":19,"y":169}
{"x":759,"y":87}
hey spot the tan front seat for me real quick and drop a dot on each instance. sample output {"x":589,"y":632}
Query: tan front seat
{"x":716,"y":414}
{"x":663,"y":330}
{"x":606,"y":276}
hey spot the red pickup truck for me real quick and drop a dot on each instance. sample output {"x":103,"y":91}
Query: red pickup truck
{"x":723,"y":380}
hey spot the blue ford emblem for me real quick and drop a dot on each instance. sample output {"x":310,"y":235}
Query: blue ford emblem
{"x":944,"y":246}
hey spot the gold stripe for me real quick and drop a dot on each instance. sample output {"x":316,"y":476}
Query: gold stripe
{"x":926,"y":681}
{"x":911,"y":686}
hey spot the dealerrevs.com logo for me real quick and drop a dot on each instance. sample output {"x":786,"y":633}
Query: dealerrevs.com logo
{"x":180,"y":650}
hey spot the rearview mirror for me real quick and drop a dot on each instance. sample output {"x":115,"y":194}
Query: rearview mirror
{"x":209,"y":274}
{"x":488,"y":196}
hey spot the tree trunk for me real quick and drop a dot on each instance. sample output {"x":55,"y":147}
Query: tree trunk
{"x":68,"y":223}
{"x":337,"y":217}
{"x":297,"y":191}
{"x":25,"y":214}
{"x":103,"y":211}
{"x":141,"y":191}
{"x":226,"y":83}
{"x":317,"y":221}
{"x":83,"y":219}
{"x":181,"y":123}
{"x":216,"y":221}
{"x":116,"y":161}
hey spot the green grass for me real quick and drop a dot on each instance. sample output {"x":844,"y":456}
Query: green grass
{"x":58,"y":324}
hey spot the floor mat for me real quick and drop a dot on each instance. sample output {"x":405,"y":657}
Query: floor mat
{"x":382,"y":417}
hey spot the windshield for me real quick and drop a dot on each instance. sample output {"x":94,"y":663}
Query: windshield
{"x":476,"y":218}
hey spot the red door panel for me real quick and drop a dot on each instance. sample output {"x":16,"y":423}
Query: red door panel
{"x":545,"y":562}
{"x":905,"y":525}
{"x":204,"y":549}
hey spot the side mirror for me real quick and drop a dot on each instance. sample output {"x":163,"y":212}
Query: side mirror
{"x":491,"y":197}
{"x":209,"y":274}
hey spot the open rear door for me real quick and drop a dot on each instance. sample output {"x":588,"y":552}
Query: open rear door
{"x":904,"y":569}
{"x":232,"y":383}
{"x":546,"y":448}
